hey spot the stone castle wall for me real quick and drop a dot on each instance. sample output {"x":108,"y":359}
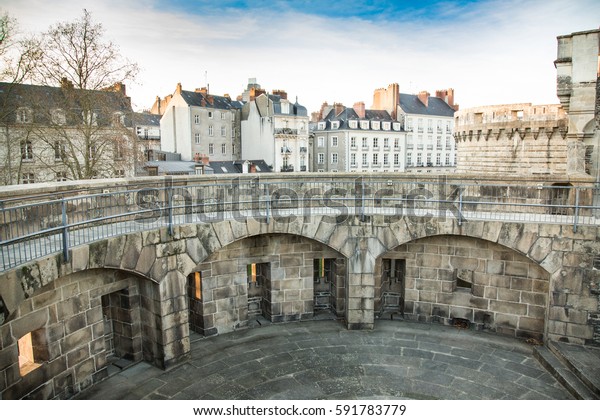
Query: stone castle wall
{"x":512,"y":139}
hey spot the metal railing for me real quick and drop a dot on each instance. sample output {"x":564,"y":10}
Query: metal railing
{"x":35,"y":227}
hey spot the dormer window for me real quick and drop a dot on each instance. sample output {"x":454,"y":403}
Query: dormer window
{"x":119,"y":118}
{"x":321,"y":125}
{"x":24,"y":115}
{"x":335,"y":125}
{"x":364,"y":125}
{"x":375,"y":125}
{"x":396,"y":126}
{"x":59,"y":117}
{"x":353,"y":123}
{"x":89,"y":117}
{"x":386,"y":125}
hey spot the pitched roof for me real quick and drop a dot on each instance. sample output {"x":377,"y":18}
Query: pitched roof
{"x":205,"y":100}
{"x":349,"y":114}
{"x":411,"y":104}
{"x":144,"y":118}
{"x":42,"y":100}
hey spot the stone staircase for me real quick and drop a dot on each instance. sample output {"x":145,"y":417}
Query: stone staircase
{"x":576,"y":367}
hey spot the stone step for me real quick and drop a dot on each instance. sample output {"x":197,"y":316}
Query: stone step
{"x":563,"y":374}
{"x":584,"y":361}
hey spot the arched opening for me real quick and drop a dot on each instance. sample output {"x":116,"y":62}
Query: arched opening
{"x":458,"y":280}
{"x":267,"y":278}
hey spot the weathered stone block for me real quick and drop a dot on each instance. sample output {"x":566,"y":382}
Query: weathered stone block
{"x":508,"y":307}
{"x":520,"y":283}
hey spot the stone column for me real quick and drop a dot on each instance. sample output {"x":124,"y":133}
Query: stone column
{"x":360,"y":292}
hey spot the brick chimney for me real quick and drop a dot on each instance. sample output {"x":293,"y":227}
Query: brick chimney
{"x":339,"y":108}
{"x":281,"y":93}
{"x":178,"y":88}
{"x":424,"y":97}
{"x":66,"y":83}
{"x":442,"y":94}
{"x":359,"y":108}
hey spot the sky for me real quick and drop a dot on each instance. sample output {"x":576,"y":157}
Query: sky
{"x":490,"y":51}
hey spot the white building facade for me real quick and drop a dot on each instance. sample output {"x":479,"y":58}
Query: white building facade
{"x":358,"y":140}
{"x":200,"y":124}
{"x":429,"y":124}
{"x":276,"y":130}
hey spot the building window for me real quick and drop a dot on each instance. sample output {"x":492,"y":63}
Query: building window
{"x":375,"y":125}
{"x":375,"y":158}
{"x":447,"y":160}
{"x":386,"y":125}
{"x":61,"y":176}
{"x":353,"y":142}
{"x":419,"y":159}
{"x":320,"y":141}
{"x":334,"y":141}
{"x":352,"y":159}
{"x":23,"y":115}
{"x":335,"y":125}
{"x":28,"y":178}
{"x":334,"y":158}
{"x":58,"y":117}
{"x":223,"y":131}
{"x":365,"y":143}
{"x":321,"y":125}
{"x":396,"y":143}
{"x":409,"y":159}
{"x":365,"y":159}
{"x":211,"y":149}
{"x":321,"y":158}
{"x":118,"y":152}
{"x":224,"y":149}
{"x":59,"y":150}
{"x":210,"y":130}
{"x":386,"y":159}
{"x":386,"y":143}
{"x":119,"y":173}
{"x":222,"y":115}
{"x":210,"y":114}
{"x":364,"y":125}
{"x":396,"y":158}
{"x":409,"y":124}
{"x":233,"y":149}
{"x":353,"y":123}
{"x":93,"y":151}
{"x":375,"y":143}
{"x":196,"y":119}
{"x":438,"y":160}
{"x":26,"y":150}
{"x":197,"y":138}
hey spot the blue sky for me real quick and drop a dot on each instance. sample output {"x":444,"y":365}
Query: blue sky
{"x":490,"y":52}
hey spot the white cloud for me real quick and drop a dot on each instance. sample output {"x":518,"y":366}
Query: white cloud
{"x":490,"y":52}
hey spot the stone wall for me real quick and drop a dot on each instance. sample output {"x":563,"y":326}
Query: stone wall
{"x":501,"y":290}
{"x":512,"y":139}
{"x":69,"y":327}
{"x":288,"y":291}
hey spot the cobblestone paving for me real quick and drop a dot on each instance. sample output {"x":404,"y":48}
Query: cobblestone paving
{"x":323,"y":360}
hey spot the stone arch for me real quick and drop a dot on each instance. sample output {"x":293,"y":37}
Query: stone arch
{"x":268,"y":276}
{"x":450,"y":277}
{"x":80,"y":320}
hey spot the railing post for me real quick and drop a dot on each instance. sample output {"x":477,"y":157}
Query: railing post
{"x":267,"y":202}
{"x":576,"y":210}
{"x":460,"y":206}
{"x":65,"y":231}
{"x":170,"y":207}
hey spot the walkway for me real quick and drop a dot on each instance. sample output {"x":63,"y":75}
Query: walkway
{"x":324,"y":360}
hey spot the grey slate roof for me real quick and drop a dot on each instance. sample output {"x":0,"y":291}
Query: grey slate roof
{"x":349,"y":114}
{"x":144,"y":118}
{"x":42,"y":100}
{"x":215,"y":167}
{"x":201,"y":100}
{"x":411,"y":104}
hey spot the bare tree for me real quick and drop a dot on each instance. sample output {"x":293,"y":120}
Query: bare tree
{"x":76,"y":122}
{"x":76,"y":51}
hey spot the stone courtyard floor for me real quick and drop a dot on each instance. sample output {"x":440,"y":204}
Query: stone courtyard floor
{"x":323,"y":360}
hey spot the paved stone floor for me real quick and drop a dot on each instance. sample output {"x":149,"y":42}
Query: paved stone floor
{"x":323,"y":360}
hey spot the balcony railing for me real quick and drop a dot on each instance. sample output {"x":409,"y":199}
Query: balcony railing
{"x":53,"y":220}
{"x":290,"y":131}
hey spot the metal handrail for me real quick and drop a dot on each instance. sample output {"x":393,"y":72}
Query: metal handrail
{"x":79,"y":219}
